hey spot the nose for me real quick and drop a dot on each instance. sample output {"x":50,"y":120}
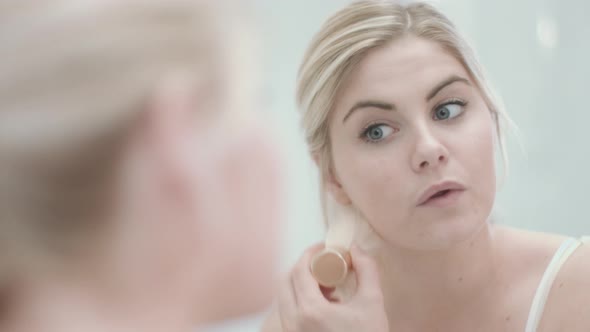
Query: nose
{"x":429,"y":152}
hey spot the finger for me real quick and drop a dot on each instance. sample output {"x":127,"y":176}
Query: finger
{"x":328,"y":293}
{"x":305,"y":286}
{"x":367,"y":272}
{"x":287,"y":301}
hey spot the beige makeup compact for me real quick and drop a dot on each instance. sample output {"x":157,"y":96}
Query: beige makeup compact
{"x":330,"y":266}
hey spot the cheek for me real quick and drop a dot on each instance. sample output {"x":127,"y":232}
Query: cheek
{"x":239,"y":215}
{"x":477,"y":157}
{"x":253,"y":190}
{"x":372,"y":180}
{"x":482,"y":144}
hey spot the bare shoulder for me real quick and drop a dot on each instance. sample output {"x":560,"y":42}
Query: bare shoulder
{"x":272,"y":323}
{"x":568,"y":305}
{"x":527,"y":253}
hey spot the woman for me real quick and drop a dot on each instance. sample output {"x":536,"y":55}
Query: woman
{"x":403,"y":127}
{"x":137,"y":192}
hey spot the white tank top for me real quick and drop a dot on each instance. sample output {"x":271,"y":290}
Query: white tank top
{"x":559,"y":258}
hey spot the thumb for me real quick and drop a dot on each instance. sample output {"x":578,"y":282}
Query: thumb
{"x":367,"y":272}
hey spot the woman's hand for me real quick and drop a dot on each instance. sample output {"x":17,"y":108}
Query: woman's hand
{"x":303,"y":307}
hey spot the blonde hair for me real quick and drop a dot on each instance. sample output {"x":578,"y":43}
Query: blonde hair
{"x":347,"y":36}
{"x":75,"y":77}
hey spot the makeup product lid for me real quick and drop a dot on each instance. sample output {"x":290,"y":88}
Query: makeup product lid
{"x":330,"y":266}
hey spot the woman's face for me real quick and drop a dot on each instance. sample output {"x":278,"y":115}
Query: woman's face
{"x":413,"y":146}
{"x":203,"y":208}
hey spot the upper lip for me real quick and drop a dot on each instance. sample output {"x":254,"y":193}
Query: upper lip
{"x":438,"y":187}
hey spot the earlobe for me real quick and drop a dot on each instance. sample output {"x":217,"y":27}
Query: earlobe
{"x":331,"y":182}
{"x":336,"y":189}
{"x":316,"y":159}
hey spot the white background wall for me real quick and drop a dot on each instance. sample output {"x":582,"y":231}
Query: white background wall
{"x":536,"y":53}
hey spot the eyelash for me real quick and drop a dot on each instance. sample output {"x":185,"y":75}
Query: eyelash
{"x":366,"y":130}
{"x":451,"y":101}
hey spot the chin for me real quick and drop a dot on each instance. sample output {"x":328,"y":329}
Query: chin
{"x":457,"y":232}
{"x":235,"y":299}
{"x":247,"y":284}
{"x":441,"y":233}
{"x":446,"y":228}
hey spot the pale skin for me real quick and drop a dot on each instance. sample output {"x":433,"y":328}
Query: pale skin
{"x":420,"y":120}
{"x":185,"y":249}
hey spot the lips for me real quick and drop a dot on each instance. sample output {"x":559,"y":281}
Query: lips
{"x":439,"y":190}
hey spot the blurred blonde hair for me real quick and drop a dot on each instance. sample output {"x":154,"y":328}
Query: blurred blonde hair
{"x":346,"y":38}
{"x":75,"y":77}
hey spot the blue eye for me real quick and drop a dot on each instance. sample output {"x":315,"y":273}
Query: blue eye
{"x":377,"y":132}
{"x":449,"y":110}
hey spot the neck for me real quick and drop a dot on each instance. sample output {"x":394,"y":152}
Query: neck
{"x":420,"y":284}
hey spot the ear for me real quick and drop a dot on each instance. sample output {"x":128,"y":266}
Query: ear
{"x":170,"y":121}
{"x":331,"y":182}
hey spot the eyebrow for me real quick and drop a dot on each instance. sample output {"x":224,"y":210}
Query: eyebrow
{"x":369,"y":104}
{"x":438,"y":88}
{"x":391,"y":107}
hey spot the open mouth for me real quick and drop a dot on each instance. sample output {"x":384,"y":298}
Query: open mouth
{"x":440,"y":194}
{"x":443,"y":197}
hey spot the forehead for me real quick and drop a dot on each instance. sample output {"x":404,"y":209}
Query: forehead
{"x":403,"y":68}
